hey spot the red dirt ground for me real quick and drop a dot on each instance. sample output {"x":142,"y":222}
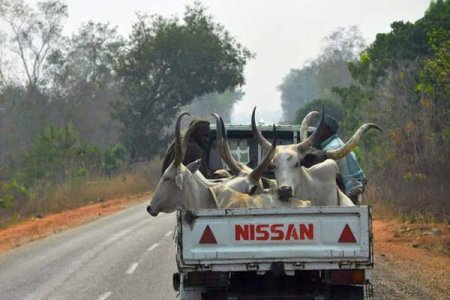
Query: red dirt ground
{"x":422,"y":255}
{"x":412,"y":245}
{"x":35,"y":228}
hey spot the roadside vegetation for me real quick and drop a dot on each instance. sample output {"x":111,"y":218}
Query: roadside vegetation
{"x":402,"y":82}
{"x":85,"y":117}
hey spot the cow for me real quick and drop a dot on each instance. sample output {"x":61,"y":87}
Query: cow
{"x":178,"y":188}
{"x":237,"y":168}
{"x":316,"y":183}
{"x":228,"y":198}
{"x":305,"y":124}
{"x":255,"y":196}
{"x":184,"y":187}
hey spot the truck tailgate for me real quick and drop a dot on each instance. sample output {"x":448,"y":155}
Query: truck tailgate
{"x":301,"y":238}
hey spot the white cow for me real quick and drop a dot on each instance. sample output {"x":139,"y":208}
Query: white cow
{"x":184,"y":187}
{"x":317,"y":183}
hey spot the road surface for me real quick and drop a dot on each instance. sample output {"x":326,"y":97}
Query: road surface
{"x":128,"y":255}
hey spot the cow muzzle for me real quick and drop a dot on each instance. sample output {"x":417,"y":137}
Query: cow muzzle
{"x":285,"y":192}
{"x":151,"y":211}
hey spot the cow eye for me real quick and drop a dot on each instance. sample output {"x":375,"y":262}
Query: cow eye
{"x":296,"y":165}
{"x":271,"y":167}
{"x":165,"y":179}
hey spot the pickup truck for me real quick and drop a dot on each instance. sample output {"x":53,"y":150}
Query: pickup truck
{"x":272,"y":253}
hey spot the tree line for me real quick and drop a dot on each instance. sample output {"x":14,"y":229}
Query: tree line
{"x":402,"y":82}
{"x":94,"y":102}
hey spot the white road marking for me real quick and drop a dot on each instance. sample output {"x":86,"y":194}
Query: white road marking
{"x":125,"y":232}
{"x":132,"y":268}
{"x":104,"y":296}
{"x":169,"y":233}
{"x":153,"y":247}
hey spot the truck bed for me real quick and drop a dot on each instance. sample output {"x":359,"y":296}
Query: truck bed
{"x":312,"y":238}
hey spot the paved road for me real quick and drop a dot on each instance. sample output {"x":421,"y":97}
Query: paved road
{"x":128,"y":255}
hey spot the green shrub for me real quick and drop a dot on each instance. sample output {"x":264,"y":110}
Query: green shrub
{"x":58,"y":155}
{"x":10,"y":192}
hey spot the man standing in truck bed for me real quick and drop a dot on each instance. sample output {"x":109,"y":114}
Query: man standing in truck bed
{"x":353,"y":177}
{"x":197,"y":138}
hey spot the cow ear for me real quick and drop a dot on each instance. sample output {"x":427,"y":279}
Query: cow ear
{"x":194,"y":166}
{"x":252,"y":189}
{"x":179,"y":180}
{"x":313,"y":158}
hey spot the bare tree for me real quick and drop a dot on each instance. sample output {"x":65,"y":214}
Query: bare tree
{"x":34,"y":32}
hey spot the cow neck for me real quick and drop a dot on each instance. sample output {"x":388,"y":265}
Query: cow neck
{"x":302,"y":183}
{"x":202,"y":196}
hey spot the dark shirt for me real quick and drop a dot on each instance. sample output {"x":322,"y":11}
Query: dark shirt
{"x":198,"y":137}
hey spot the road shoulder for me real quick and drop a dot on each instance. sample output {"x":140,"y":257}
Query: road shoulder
{"x":37,"y":228}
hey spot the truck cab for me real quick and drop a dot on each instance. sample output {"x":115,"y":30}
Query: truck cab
{"x":244,"y":148}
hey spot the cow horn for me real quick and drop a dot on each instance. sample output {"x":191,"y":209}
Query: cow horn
{"x":223,"y":147}
{"x":305,"y":124}
{"x":178,"y":148}
{"x":352,"y":142}
{"x":317,"y":135}
{"x":257,"y":135}
{"x":257,"y":173}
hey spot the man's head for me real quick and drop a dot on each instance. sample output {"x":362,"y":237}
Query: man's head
{"x":330,"y":128}
{"x":200,"y":131}
{"x":331,"y":123}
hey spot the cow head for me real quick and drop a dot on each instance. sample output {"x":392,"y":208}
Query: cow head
{"x":177,"y":185}
{"x":290,"y":160}
{"x":183,"y":187}
{"x":246,"y":180}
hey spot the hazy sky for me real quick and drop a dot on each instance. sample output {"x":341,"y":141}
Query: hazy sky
{"x":283,"y":34}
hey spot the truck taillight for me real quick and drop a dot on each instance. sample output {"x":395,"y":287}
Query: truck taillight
{"x":344,"y":277}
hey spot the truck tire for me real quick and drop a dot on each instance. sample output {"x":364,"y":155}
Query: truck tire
{"x":176,"y":281}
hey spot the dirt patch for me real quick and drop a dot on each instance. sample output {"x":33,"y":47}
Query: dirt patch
{"x":37,"y":228}
{"x":416,"y":254}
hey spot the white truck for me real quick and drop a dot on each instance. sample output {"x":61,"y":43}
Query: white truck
{"x":276,"y":253}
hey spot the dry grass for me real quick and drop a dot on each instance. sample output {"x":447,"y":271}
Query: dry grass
{"x":48,"y":198}
{"x":36,"y":228}
{"x":408,"y":196}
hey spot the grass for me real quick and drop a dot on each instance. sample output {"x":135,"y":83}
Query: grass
{"x":440,"y":247}
{"x":47,"y":198}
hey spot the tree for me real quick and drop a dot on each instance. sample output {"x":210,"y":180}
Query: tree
{"x":298,"y":88}
{"x":405,"y":42}
{"x":88,"y":60}
{"x":83,"y":84}
{"x":317,"y":78}
{"x":34,"y":33}
{"x":401,"y":83}
{"x":221,"y":104}
{"x":167,"y":64}
{"x":435,"y":76}
{"x":4,"y":80}
{"x":331,"y":107}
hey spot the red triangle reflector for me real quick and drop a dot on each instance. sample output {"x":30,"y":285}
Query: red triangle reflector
{"x":207,"y":237}
{"x":347,"y":235}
